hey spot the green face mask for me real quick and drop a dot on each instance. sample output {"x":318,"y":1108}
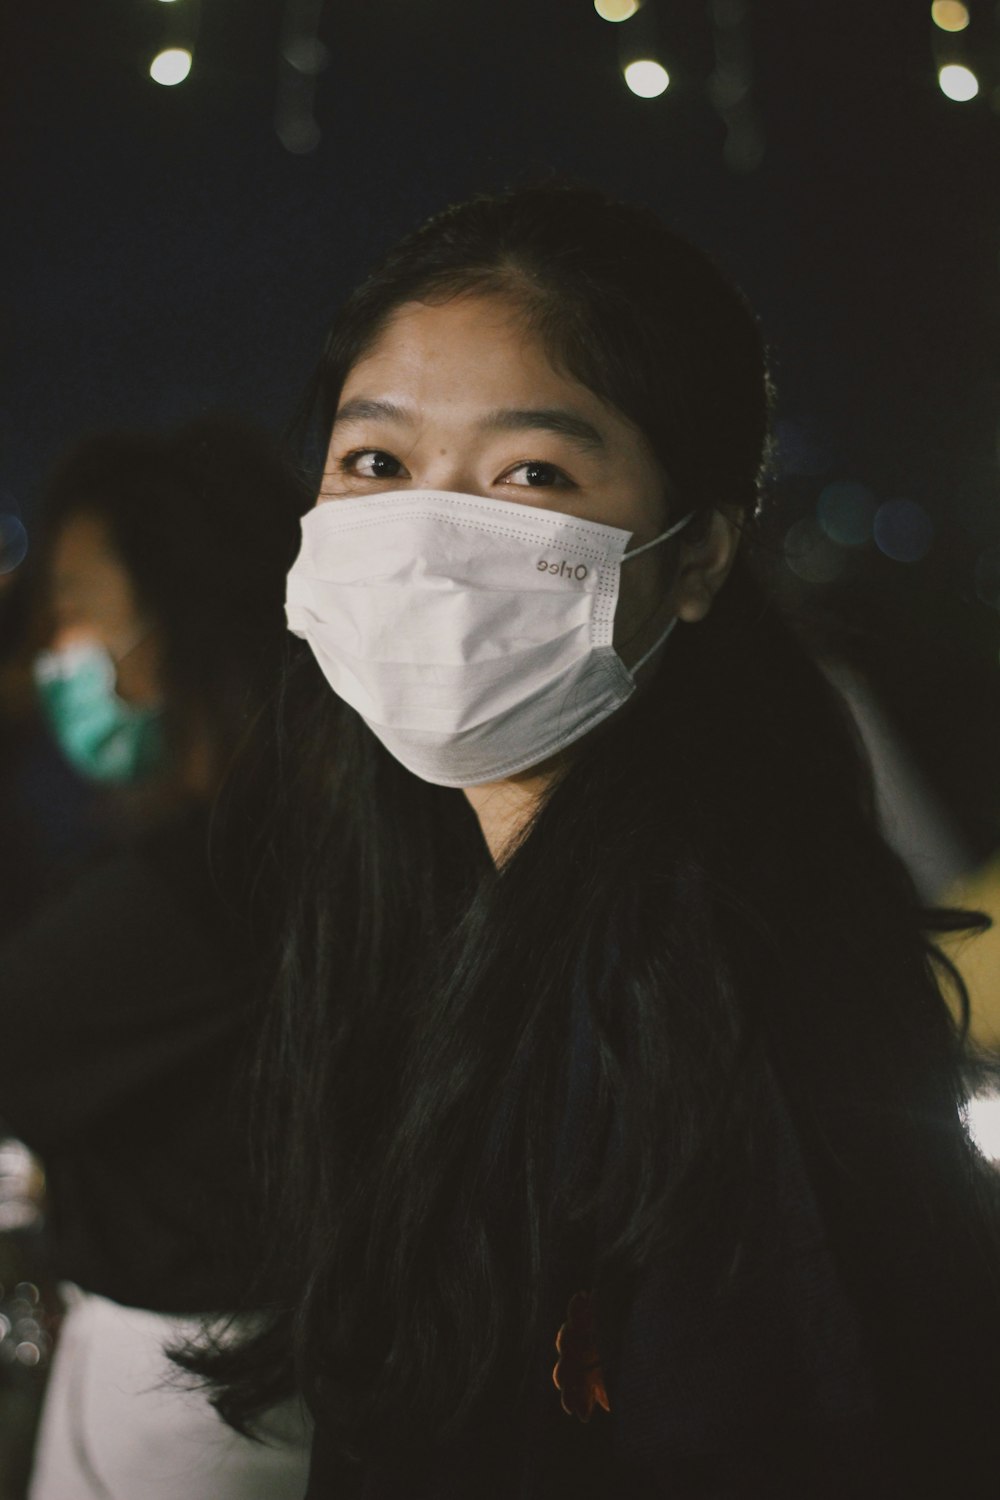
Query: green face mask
{"x":101,"y":736}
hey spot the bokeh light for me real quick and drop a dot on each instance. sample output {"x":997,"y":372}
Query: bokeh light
{"x":958,"y":82}
{"x":24,"y":1336}
{"x":616,"y":10}
{"x":171,"y":66}
{"x":903,"y":530}
{"x":647,"y":78}
{"x":298,"y":133}
{"x":811,"y":555}
{"x":728,"y":87}
{"x":950,"y":15}
{"x":306,"y":54}
{"x":846,"y":512}
{"x":13,"y":542}
{"x":983,"y":1121}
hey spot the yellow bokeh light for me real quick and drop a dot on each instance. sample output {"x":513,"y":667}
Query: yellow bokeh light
{"x":646,"y":78}
{"x":616,"y":10}
{"x":171,"y":66}
{"x":958,"y":83}
{"x":950,"y":15}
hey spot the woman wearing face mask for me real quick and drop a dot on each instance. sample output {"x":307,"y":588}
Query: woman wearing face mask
{"x":611,"y":1097}
{"x":161,"y":569}
{"x":100,"y":682}
{"x":131,"y":677}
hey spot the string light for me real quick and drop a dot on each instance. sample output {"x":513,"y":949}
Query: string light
{"x":950,"y":15}
{"x":616,"y":10}
{"x":647,"y":78}
{"x":958,"y":83}
{"x":171,"y":66}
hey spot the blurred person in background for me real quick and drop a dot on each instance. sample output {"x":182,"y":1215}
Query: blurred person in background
{"x":158,"y":580}
{"x":917,"y":824}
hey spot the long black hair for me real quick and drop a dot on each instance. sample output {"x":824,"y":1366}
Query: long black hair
{"x":706,"y":885}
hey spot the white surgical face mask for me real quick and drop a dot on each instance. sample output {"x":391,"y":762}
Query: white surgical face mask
{"x":472,"y":635}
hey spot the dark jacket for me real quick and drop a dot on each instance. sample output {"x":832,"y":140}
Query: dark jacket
{"x":767,"y":1391}
{"x":123,"y":1008}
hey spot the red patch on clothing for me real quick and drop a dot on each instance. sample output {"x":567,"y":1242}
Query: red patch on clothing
{"x":577,"y":1375}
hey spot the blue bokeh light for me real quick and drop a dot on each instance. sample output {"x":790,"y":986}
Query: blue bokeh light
{"x":13,"y":542}
{"x":811,"y":555}
{"x":903,"y":530}
{"x":846,"y":512}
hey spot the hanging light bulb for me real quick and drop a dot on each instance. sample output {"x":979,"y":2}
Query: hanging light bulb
{"x":950,"y":15}
{"x":616,"y":10}
{"x":958,"y":83}
{"x":647,"y":78}
{"x":171,"y":66}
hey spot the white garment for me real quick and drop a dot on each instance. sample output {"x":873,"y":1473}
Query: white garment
{"x":119,"y":1422}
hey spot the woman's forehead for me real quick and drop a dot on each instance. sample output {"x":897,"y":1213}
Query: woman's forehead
{"x":478,"y":328}
{"x":466,"y":358}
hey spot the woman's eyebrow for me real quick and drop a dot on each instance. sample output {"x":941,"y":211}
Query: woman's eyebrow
{"x":367,"y":409}
{"x":555,"y":419}
{"x":546,"y":419}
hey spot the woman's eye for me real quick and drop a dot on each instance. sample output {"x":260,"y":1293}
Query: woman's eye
{"x":371,"y":463}
{"x":535,"y":475}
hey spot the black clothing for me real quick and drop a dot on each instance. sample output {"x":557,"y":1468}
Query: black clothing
{"x":766,"y":1396}
{"x":48,"y":832}
{"x":767,"y":1393}
{"x":130,"y":997}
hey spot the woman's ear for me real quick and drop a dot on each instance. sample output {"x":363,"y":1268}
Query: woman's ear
{"x":704,"y":565}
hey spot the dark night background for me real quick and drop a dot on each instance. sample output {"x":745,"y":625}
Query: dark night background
{"x":165,"y":254}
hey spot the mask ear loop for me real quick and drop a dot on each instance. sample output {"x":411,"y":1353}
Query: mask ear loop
{"x":677,"y":526}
